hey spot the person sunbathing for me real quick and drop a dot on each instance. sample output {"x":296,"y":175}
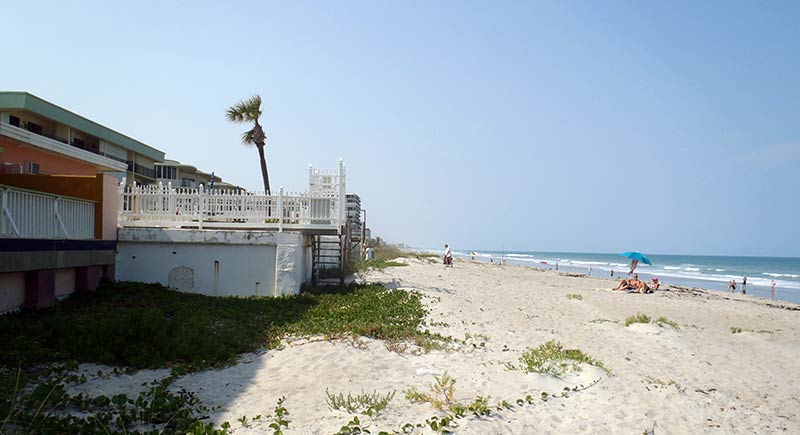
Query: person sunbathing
{"x":623,"y":285}
{"x":633,"y":284}
{"x":656,"y":283}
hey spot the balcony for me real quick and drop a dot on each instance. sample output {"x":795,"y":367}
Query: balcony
{"x":56,"y":146}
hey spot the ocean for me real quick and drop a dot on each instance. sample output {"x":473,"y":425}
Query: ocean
{"x":709,"y":272}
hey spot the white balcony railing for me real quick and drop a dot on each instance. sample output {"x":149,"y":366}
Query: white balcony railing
{"x":55,"y":146}
{"x":36,"y":215}
{"x":167,"y":206}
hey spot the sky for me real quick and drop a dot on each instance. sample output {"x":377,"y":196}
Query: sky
{"x":664,"y":127}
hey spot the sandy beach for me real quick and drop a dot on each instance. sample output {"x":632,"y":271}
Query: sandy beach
{"x":699,"y":378}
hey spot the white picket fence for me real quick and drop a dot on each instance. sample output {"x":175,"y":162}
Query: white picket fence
{"x":37,"y":215}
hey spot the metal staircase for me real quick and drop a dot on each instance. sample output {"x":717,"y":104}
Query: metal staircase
{"x":328,"y":254}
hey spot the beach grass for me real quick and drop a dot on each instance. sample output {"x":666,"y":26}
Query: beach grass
{"x":574,"y":296}
{"x":637,"y":318}
{"x":552,"y":358}
{"x":382,"y":256}
{"x":661,"y":321}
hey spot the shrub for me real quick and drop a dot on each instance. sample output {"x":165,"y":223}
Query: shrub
{"x":365,"y":403}
{"x":552,"y":358}
{"x":146,"y":325}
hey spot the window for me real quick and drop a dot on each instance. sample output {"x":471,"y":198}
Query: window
{"x":32,"y":167}
{"x":33,"y":127}
{"x":13,"y":120}
{"x":77,"y":142}
{"x":166,"y":172}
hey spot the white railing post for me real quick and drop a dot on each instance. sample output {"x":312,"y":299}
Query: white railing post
{"x":171,"y":201}
{"x":280,"y":209}
{"x":200,"y":206}
{"x":139,"y":198}
{"x":342,"y":195}
{"x":121,"y":210}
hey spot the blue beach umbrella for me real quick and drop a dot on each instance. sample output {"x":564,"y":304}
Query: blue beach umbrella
{"x":638,"y":256}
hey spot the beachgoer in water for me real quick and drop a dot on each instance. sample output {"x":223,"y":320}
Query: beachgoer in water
{"x":732,"y":286}
{"x":772,"y":290}
{"x":744,"y":285}
{"x":612,"y":273}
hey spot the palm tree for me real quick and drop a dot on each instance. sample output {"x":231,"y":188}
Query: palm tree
{"x":249,"y":111}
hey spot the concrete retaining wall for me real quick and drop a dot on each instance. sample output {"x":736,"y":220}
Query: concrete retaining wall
{"x":214,"y":262}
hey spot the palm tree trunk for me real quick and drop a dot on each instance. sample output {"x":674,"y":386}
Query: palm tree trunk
{"x":264,"y":173}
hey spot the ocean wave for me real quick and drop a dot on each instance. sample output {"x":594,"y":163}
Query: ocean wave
{"x":781,"y":275}
{"x":672,"y":268}
{"x":692,"y":269}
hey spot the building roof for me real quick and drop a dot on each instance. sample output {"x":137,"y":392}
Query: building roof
{"x":32,"y":103}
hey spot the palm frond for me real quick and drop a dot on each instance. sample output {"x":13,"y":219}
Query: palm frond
{"x":247,"y":138}
{"x":245,"y":111}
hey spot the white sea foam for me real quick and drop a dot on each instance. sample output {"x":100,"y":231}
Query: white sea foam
{"x":692,"y":269}
{"x":781,"y":275}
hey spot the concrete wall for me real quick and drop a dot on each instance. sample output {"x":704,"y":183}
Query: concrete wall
{"x":214,"y":263}
{"x":65,"y":282}
{"x":12,"y":291}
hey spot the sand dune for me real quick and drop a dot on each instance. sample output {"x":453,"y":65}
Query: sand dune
{"x":700,"y":378}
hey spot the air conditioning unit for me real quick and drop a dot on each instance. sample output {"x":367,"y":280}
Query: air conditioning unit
{"x":11,"y":168}
{"x":31,"y":168}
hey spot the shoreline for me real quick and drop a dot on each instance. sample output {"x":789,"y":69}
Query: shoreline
{"x":784,"y":294}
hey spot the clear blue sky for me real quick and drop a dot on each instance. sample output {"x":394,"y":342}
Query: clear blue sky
{"x":667,"y":127}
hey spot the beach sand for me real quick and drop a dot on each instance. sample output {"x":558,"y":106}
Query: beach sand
{"x":700,"y":378}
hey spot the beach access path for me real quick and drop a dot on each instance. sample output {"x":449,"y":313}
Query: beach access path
{"x":702,"y":377}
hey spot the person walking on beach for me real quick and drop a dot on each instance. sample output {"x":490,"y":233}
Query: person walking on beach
{"x":612,"y":273}
{"x":772,"y":290}
{"x":590,"y":270}
{"x":448,"y":256}
{"x":732,"y":286}
{"x":744,"y":285}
